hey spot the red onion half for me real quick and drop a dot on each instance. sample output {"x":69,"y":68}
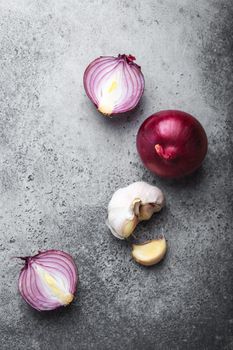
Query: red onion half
{"x":48,"y":280}
{"x":172,"y":143}
{"x":114,"y":84}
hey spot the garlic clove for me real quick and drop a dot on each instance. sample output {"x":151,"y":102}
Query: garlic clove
{"x":127,"y":230}
{"x":146,"y":211}
{"x":118,"y":220}
{"x":151,"y":252}
{"x":132,"y":204}
{"x":114,"y":232}
{"x":129,"y":227}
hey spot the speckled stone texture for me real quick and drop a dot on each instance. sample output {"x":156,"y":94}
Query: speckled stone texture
{"x":61,"y":161}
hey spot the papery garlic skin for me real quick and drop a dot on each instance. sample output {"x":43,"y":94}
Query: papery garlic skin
{"x":132,"y":204}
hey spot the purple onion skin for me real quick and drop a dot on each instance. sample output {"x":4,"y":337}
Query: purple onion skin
{"x":30,"y":286}
{"x":99,"y":70}
{"x":172,"y":143}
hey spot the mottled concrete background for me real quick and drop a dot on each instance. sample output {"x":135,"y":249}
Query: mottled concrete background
{"x":61,"y":161}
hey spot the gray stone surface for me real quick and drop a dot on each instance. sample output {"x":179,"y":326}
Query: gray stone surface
{"x":61,"y":161}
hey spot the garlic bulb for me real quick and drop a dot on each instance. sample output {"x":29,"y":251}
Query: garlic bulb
{"x":132,"y":204}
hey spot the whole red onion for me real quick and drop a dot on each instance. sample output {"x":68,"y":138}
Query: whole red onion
{"x":48,"y":280}
{"x":172,"y":143}
{"x":114,"y":84}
